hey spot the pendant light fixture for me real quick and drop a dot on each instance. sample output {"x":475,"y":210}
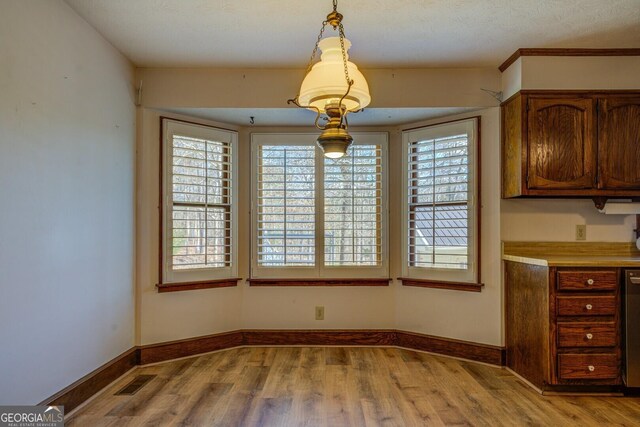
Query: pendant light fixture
{"x":333,"y":86}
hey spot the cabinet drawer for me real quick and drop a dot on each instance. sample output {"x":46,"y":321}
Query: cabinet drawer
{"x":587,"y":306}
{"x":587,"y":334}
{"x":587,"y":366}
{"x":600,"y":280}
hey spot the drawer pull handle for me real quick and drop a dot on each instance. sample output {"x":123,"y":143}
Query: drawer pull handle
{"x":589,"y":281}
{"x":589,"y":336}
{"x":592,"y":368}
{"x":589,"y":307}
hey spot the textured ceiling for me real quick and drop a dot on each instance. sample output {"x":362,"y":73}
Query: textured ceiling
{"x":391,"y":33}
{"x":299,"y":117}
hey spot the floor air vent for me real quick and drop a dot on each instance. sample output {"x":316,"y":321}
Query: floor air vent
{"x":134,"y":386}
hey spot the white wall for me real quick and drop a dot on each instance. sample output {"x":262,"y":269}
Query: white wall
{"x":67,"y":129}
{"x":469,"y":316}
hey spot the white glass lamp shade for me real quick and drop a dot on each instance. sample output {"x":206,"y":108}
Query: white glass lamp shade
{"x":326,"y":83}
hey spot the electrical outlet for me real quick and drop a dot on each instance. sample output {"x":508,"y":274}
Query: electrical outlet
{"x":320,"y":312}
{"x":581,"y":232}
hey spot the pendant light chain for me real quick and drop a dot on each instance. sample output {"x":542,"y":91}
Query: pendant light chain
{"x":315,"y":48}
{"x":342,"y":37}
{"x":344,"y":53}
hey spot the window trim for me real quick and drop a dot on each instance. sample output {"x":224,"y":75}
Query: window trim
{"x":319,"y":271}
{"x":383,"y":281}
{"x":205,"y":278}
{"x":419,"y":276}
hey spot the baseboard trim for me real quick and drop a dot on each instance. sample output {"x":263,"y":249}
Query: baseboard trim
{"x":490,"y":354}
{"x":325,"y":337}
{"x":86,"y":387}
{"x":75,"y":394}
{"x":359,"y":337}
{"x":160,"y":352}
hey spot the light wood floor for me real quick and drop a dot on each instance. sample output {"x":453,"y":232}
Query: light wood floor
{"x":341,"y":386}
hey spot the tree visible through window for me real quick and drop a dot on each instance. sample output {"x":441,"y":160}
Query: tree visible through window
{"x":440,"y":210}
{"x":438,"y":198}
{"x":312,"y":214}
{"x":198,"y":202}
{"x":352,"y":210}
{"x":286,"y":205}
{"x":201,"y":214}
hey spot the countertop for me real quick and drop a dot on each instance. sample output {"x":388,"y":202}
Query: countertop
{"x":572,"y":254}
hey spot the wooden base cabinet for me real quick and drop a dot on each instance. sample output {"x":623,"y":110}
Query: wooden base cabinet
{"x":563,"y":326}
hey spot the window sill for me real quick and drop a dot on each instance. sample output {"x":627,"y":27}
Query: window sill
{"x":191,"y":286}
{"x":438,"y":284}
{"x":319,"y":282}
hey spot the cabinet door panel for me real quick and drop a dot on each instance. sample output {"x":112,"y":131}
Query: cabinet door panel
{"x":619,"y":143}
{"x":561,"y":143}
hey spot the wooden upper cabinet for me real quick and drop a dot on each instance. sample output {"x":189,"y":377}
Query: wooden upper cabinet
{"x":619,"y":143}
{"x":571,"y":144}
{"x":561,"y":143}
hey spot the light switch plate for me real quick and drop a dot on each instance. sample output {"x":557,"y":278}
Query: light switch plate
{"x":320,"y":312}
{"x":581,"y":232}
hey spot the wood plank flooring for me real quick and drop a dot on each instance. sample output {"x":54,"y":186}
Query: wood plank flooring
{"x":338,"y":386}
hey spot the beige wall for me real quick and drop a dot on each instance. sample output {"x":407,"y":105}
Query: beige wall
{"x":217,"y":310}
{"x":174,"y":315}
{"x":571,"y":73}
{"x":67,"y":134}
{"x":556,"y":220}
{"x":462,"y":315}
{"x":269,"y":88}
{"x":581,"y":72}
{"x":512,"y":79}
{"x":467,"y":316}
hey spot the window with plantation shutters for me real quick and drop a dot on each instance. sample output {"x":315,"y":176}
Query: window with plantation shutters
{"x":353,"y":208}
{"x":286,"y":205}
{"x":198,"y":201}
{"x":440,"y":211}
{"x":318,"y":217}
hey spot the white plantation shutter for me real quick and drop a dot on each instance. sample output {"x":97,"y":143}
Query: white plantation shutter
{"x":318,"y":217}
{"x":440,"y":210}
{"x":353,"y":208}
{"x":199,"y":202}
{"x":286,"y":205}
